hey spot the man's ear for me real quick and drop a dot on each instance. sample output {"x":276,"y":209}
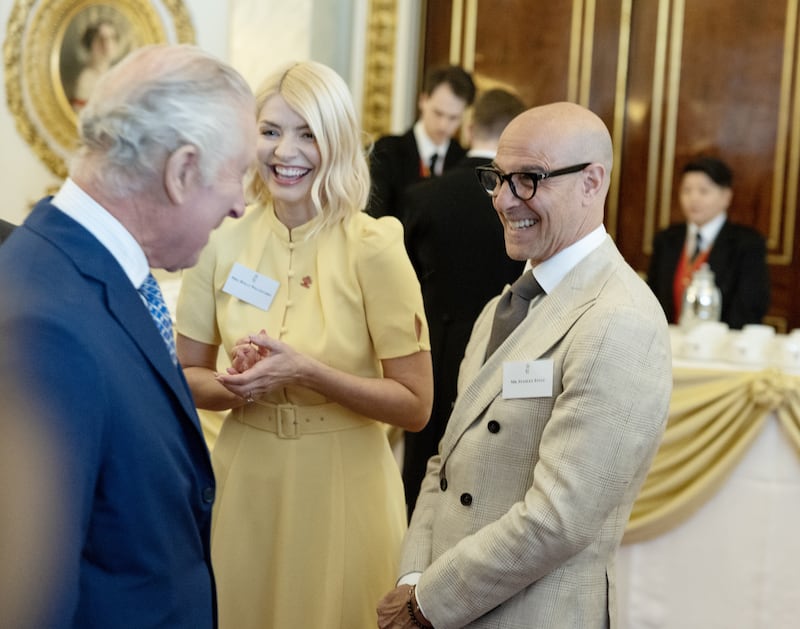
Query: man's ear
{"x":728,"y":197}
{"x":593,"y":177}
{"x":181,"y":172}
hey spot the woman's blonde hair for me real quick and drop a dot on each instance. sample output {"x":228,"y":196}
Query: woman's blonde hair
{"x":321,"y":97}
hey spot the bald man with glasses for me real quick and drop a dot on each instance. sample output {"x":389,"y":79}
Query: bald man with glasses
{"x":563,"y":397}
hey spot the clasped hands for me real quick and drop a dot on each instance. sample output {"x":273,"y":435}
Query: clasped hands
{"x":259,"y":364}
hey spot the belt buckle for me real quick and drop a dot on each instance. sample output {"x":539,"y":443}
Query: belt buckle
{"x":287,"y":423}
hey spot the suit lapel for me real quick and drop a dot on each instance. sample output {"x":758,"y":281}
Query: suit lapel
{"x":546,"y":324}
{"x":127,"y":308}
{"x":123,"y":301}
{"x":411,"y":163}
{"x":717,"y":256}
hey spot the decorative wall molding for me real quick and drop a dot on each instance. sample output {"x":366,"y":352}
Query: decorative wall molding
{"x":379,"y":67}
{"x":43,"y":57}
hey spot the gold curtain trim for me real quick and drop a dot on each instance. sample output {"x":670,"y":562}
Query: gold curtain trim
{"x":715,"y":416}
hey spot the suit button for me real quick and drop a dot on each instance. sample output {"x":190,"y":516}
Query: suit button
{"x":208,"y":495}
{"x":466,"y":499}
{"x":494,"y":427}
{"x":443,"y":484}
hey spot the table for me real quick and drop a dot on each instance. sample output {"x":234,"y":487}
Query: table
{"x":714,"y":539}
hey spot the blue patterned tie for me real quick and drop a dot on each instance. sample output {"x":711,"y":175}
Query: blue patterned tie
{"x":151,"y":293}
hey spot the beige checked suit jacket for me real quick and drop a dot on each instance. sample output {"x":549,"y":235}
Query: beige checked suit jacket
{"x":522,"y":510}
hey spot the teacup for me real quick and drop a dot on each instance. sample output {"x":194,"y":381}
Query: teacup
{"x":786,"y":352}
{"x":704,"y":341}
{"x":749,"y":347}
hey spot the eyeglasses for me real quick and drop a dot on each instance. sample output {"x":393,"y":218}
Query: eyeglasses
{"x":523,"y":185}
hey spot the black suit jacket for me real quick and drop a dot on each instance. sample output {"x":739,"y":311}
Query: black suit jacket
{"x":455,"y":242}
{"x":395,"y":165}
{"x":738,"y":258}
{"x":5,"y":229}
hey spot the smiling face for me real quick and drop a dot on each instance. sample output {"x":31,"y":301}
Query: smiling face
{"x":565,"y":208}
{"x":288,"y":159}
{"x":441,"y":113}
{"x":701,"y":198}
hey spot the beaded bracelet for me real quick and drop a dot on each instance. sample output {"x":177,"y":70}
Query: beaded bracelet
{"x":414,"y":620}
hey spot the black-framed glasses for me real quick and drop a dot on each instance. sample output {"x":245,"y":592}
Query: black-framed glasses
{"x":523,"y":185}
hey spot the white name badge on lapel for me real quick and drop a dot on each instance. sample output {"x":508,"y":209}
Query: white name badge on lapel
{"x":528,"y":378}
{"x":250,"y":286}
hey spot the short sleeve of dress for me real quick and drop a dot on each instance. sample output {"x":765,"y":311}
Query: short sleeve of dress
{"x":196,"y":310}
{"x":392,"y":295}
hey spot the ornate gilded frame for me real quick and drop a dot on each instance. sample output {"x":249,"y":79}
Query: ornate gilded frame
{"x":379,"y":67}
{"x":42,"y":59}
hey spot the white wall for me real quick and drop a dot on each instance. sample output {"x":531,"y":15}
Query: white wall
{"x":266,"y":34}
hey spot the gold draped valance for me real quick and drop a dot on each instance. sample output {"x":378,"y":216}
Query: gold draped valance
{"x":715,"y":415}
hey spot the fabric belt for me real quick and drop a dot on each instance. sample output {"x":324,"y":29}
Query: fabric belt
{"x":290,"y":421}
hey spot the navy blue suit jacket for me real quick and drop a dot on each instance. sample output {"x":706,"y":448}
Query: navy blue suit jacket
{"x":134,"y":468}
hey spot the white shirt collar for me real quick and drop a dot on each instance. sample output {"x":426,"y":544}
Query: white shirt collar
{"x":708,"y":232}
{"x":550,"y":272}
{"x":80,"y":207}
{"x":425,"y":145}
{"x":486,"y":154}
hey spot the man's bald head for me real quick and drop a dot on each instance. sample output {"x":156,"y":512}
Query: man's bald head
{"x":573,"y":133}
{"x":567,"y":207}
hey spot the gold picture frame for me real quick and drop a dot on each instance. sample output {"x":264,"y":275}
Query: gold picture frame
{"x":49,"y":56}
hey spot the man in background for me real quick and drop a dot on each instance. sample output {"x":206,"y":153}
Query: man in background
{"x":737,"y":254}
{"x":455,"y":242}
{"x":164,"y":141}
{"x":429,"y":147}
{"x":563,"y":397}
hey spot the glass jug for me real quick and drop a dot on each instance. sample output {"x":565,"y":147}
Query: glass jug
{"x":702,"y":300}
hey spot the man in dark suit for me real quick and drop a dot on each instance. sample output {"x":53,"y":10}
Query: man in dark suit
{"x":455,"y":242}
{"x":429,"y":147}
{"x":164,"y":142}
{"x":737,"y":254}
{"x":5,"y":229}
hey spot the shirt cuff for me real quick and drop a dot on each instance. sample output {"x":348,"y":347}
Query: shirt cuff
{"x":412,"y":578}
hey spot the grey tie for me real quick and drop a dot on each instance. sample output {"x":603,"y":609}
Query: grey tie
{"x":512,"y":309}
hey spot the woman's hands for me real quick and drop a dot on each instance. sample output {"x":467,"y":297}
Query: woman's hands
{"x":245,"y":354}
{"x":259,"y":365}
{"x":402,"y":396}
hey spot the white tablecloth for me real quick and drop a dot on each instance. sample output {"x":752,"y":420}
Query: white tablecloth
{"x":735,"y":564}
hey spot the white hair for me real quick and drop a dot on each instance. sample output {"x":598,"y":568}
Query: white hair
{"x":155,"y":100}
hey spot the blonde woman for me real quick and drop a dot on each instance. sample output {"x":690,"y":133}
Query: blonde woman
{"x":319,"y":309}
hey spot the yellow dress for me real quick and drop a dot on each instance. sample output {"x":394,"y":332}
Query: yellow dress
{"x":307,"y":531}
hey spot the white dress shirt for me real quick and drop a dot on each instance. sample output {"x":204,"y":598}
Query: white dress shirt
{"x":82,"y":208}
{"x":427,"y":148}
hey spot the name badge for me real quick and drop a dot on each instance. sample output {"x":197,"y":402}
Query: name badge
{"x":528,"y":378}
{"x":250,"y":286}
